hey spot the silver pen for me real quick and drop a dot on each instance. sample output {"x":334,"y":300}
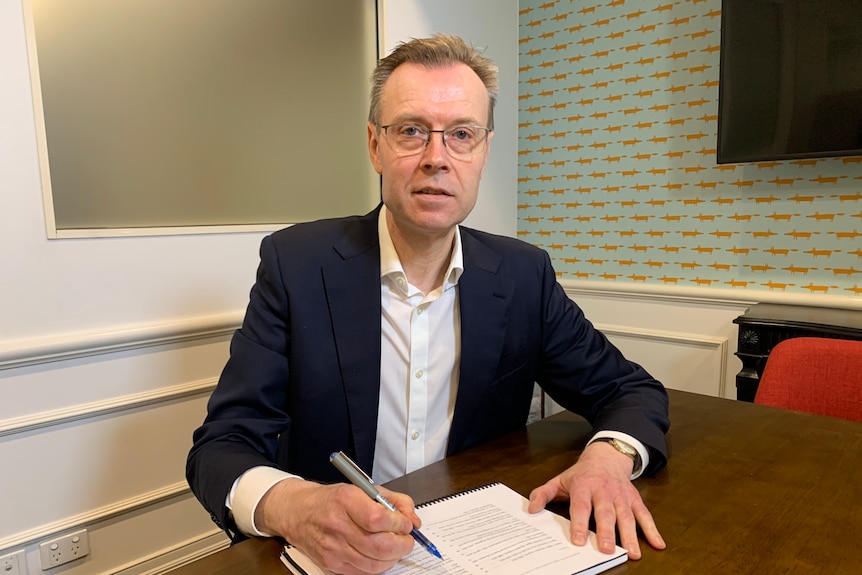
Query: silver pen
{"x":361,"y":480}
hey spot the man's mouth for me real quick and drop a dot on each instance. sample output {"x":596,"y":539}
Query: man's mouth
{"x":432,"y":192}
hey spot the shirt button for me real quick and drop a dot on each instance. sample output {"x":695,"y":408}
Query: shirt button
{"x":419,"y":373}
{"x":419,"y":310}
{"x":415,"y":435}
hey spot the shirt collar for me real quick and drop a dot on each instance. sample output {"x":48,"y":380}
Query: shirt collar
{"x":390,"y":265}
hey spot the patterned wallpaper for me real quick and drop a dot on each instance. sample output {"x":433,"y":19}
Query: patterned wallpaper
{"x":617,"y":177}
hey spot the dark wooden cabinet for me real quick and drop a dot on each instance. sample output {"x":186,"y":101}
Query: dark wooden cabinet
{"x":764,"y":325}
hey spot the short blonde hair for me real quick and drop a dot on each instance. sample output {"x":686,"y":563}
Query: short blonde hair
{"x":438,"y":51}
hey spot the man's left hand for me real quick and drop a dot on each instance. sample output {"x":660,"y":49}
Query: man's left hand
{"x":599,"y":484}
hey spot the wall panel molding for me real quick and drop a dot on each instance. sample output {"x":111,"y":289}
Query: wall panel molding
{"x":174,"y":557}
{"x":39,"y":350}
{"x":54,"y":417}
{"x":104,"y":513}
{"x":664,"y":336}
{"x":34,"y":351}
{"x":705,"y":295}
{"x":715,"y":345}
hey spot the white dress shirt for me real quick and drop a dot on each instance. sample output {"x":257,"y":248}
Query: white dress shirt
{"x":419,"y":367}
{"x":419,"y":372}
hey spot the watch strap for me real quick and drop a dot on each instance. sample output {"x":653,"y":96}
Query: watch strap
{"x":626,"y":449}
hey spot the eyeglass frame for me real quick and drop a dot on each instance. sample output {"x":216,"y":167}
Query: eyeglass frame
{"x":458,"y":155}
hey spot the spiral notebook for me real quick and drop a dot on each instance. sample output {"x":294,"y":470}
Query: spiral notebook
{"x":488,"y":530}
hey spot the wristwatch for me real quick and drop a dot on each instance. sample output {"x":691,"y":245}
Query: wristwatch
{"x":625,"y":449}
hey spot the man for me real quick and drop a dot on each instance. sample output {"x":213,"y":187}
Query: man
{"x":400,"y":337}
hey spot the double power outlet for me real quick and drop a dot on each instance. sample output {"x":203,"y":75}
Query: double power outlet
{"x":62,"y":550}
{"x":13,"y":564}
{"x":53,"y":553}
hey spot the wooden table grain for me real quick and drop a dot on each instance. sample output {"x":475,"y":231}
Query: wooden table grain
{"x":749,"y":489}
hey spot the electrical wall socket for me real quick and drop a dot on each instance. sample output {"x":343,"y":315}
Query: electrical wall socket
{"x":62,"y":550}
{"x":13,"y":564}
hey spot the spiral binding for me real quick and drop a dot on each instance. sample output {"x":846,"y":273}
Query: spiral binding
{"x":456,"y":494}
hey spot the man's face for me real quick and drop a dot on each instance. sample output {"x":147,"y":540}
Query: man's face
{"x":431,"y":191}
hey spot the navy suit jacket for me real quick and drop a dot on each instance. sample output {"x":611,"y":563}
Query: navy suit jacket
{"x":303,"y":376}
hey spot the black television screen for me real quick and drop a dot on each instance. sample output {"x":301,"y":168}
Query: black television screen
{"x":790,"y":80}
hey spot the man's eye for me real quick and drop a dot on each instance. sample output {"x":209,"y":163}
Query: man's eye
{"x":411,"y":131}
{"x":462,"y":134}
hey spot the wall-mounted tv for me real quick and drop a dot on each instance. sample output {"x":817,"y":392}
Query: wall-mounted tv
{"x":790,"y":80}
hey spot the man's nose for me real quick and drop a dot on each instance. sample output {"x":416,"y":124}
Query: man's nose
{"x":435,"y":149}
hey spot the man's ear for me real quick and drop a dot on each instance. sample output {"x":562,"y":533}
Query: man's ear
{"x":374,"y":148}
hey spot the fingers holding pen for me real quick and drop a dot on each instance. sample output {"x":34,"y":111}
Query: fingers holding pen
{"x":337,"y":525}
{"x":376,"y":533}
{"x":371,"y":517}
{"x":404,"y":504}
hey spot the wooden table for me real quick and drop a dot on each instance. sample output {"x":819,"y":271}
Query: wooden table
{"x":749,"y":489}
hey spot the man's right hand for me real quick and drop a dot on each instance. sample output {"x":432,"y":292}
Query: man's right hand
{"x":338,"y":525}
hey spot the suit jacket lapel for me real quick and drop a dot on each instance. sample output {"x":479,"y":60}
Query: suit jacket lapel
{"x":485,"y":301}
{"x":352,"y":287}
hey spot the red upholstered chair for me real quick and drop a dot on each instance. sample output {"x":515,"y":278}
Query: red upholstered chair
{"x":815,"y":375}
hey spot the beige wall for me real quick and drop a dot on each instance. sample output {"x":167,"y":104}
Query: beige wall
{"x":110,"y":347}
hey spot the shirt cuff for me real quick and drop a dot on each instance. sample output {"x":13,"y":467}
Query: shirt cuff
{"x":639,"y":447}
{"x":246,"y":493}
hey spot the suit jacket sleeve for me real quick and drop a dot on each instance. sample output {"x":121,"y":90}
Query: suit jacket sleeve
{"x":519,"y":327}
{"x":303,"y":376}
{"x":245,"y":415}
{"x":585,"y":373}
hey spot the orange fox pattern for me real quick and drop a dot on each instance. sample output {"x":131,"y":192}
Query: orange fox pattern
{"x":617,"y":179}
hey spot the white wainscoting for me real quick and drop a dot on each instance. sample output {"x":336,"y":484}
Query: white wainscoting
{"x":685,"y":337}
{"x":685,"y":361}
{"x":95,"y":427}
{"x":687,"y":343}
{"x":94,"y":431}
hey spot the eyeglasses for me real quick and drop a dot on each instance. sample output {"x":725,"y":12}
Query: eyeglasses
{"x":461,"y":141}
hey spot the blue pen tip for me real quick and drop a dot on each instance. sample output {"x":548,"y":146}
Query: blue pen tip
{"x":434,"y":551}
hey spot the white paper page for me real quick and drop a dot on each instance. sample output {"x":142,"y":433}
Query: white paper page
{"x":488,"y":531}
